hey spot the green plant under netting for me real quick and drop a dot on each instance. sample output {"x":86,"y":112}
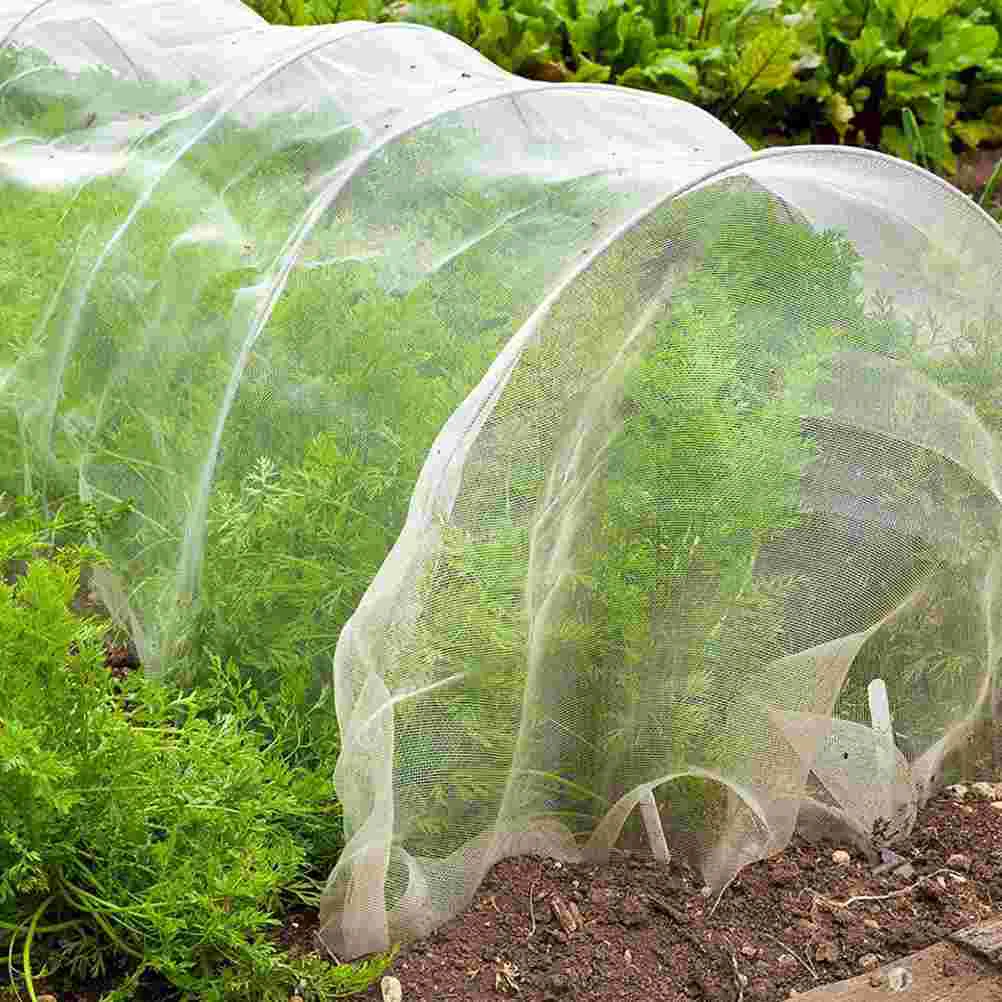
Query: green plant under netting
{"x":698,"y":404}
{"x":294,"y":537}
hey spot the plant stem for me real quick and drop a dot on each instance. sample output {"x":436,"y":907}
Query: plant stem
{"x":97,"y":917}
{"x":703,"y":20}
{"x":986,"y":196}
{"x":43,"y":929}
{"x":26,"y":952}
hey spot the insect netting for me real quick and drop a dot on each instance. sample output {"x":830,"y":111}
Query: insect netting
{"x":644,"y":469}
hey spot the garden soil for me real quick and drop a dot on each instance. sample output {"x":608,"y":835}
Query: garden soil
{"x":633,"y":929}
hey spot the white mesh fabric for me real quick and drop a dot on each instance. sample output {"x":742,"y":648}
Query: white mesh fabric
{"x":583,"y":466}
{"x":684,"y":475}
{"x":375,"y":168}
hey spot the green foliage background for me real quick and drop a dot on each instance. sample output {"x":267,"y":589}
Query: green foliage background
{"x":920,"y":79}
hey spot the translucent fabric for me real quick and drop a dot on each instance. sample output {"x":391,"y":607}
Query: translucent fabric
{"x":690,"y":455}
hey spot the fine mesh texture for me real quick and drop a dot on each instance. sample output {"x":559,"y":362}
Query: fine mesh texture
{"x":682,"y":476}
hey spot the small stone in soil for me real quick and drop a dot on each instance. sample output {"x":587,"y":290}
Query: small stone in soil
{"x":868,"y":961}
{"x":841,"y":858}
{"x":889,"y":860}
{"x":827,"y":952}
{"x":898,"y":979}
{"x":390,"y":989}
{"x":958,"y":861}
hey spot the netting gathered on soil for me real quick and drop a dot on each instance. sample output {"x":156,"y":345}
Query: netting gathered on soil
{"x":644,"y":466}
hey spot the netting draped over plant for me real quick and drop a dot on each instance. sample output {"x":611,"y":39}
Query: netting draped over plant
{"x":684,"y":461}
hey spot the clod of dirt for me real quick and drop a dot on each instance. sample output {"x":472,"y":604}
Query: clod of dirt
{"x":986,"y":791}
{"x":784,"y":872}
{"x":564,"y":914}
{"x":933,"y":890}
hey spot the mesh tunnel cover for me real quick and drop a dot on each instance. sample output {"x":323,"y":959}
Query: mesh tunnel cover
{"x":608,"y":459}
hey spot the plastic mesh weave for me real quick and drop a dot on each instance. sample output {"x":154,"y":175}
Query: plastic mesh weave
{"x":703,"y":456}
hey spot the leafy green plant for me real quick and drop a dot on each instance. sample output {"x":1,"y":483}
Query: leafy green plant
{"x":141,"y":830}
{"x":331,"y":423}
{"x":776,"y":70}
{"x":306,"y":12}
{"x":291,"y":12}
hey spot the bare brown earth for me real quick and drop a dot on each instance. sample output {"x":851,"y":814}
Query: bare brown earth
{"x":632,"y":929}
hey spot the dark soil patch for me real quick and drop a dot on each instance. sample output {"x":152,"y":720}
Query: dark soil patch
{"x":974,"y":169}
{"x":649,"y":933}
